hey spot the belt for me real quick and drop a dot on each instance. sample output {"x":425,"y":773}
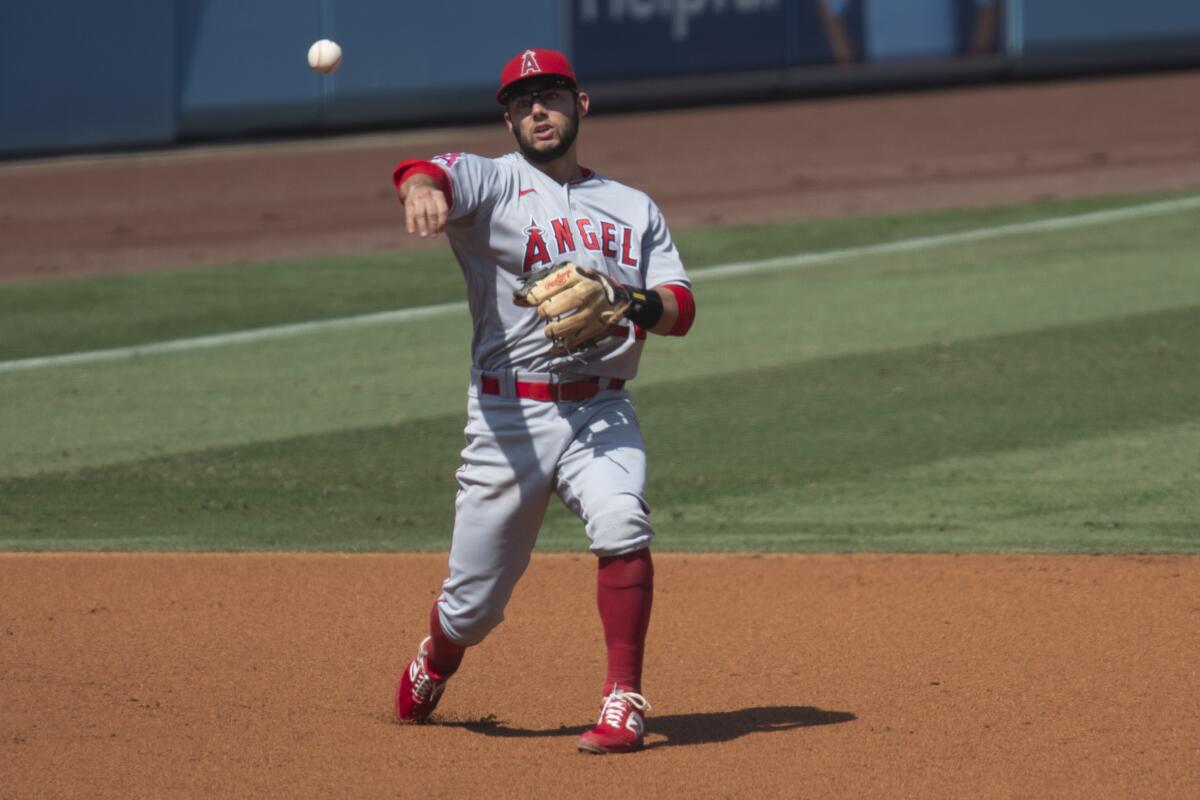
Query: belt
{"x":570,"y":392}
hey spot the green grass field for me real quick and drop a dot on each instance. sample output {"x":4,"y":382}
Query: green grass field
{"x":1036,"y":391}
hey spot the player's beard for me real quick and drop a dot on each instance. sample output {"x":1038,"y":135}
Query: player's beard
{"x":554,"y":153}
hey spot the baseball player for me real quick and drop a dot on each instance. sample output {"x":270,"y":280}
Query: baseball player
{"x":566,"y":272}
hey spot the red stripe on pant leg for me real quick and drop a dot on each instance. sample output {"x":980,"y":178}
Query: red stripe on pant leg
{"x":624,"y":595}
{"x":443,"y":656}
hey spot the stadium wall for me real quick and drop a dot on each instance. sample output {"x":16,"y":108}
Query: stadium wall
{"x":77,"y":76}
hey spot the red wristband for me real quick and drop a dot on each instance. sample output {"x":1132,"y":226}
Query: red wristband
{"x":687,"y":309}
{"x":406,"y":169}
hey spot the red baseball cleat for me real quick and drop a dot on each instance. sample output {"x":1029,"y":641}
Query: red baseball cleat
{"x":419,"y":689}
{"x":621,"y":728}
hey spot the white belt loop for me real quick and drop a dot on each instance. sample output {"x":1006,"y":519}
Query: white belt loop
{"x":505,"y":379}
{"x":508,"y":383}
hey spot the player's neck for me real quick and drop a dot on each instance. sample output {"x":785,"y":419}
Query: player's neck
{"x":562,"y":170}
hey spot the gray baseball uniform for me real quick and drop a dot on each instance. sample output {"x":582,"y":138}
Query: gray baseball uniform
{"x":508,"y":219}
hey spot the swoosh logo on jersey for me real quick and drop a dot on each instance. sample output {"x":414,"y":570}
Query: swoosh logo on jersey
{"x":524,"y":192}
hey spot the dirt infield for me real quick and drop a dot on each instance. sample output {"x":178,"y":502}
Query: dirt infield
{"x":154,"y":675}
{"x":771,"y":676}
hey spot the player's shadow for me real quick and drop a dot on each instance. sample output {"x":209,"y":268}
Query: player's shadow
{"x":686,"y":729}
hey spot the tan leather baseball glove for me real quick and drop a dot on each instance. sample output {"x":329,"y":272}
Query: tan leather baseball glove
{"x":580,"y":304}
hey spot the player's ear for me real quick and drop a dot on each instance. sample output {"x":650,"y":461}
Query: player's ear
{"x":583,"y":101}
{"x":508,"y":121}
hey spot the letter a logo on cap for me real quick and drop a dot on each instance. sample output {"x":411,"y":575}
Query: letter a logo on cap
{"x":534,"y":62}
{"x":529,"y":63}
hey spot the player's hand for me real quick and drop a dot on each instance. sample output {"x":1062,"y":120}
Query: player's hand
{"x":425,"y":209}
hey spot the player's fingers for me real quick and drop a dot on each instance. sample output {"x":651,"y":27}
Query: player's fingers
{"x":420,"y":211}
{"x":410,"y":216}
{"x":423,"y":218}
{"x":441,"y":212}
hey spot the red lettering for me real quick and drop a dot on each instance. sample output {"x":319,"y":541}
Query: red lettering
{"x":627,"y":248}
{"x":586,"y":234}
{"x":535,"y":248}
{"x":608,"y":232}
{"x":563,"y":237}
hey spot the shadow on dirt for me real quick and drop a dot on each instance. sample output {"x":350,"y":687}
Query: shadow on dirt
{"x":685,"y":729}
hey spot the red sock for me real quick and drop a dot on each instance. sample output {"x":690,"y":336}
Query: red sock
{"x":443,"y":656}
{"x":624,"y":593}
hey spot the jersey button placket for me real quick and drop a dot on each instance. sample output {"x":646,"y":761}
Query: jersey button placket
{"x":571,"y":217}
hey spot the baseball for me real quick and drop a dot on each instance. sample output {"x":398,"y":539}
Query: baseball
{"x":325,"y":56}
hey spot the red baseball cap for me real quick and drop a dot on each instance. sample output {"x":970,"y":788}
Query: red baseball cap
{"x":535,"y":64}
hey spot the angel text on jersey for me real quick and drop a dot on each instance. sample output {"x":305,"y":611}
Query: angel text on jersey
{"x":607,"y":239}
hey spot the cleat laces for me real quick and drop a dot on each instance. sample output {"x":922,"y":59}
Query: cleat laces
{"x":424,"y":686}
{"x":616,"y":706}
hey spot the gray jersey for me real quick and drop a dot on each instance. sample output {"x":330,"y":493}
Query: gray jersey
{"x":509,"y":219}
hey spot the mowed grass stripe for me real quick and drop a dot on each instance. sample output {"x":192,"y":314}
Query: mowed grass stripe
{"x":716,"y":272}
{"x":1050,"y":225}
{"x":872,"y":451}
{"x":361,"y":379}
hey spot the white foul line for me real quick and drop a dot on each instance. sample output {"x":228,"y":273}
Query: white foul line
{"x":237,"y":337}
{"x":944,"y":239}
{"x":716,"y":272}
